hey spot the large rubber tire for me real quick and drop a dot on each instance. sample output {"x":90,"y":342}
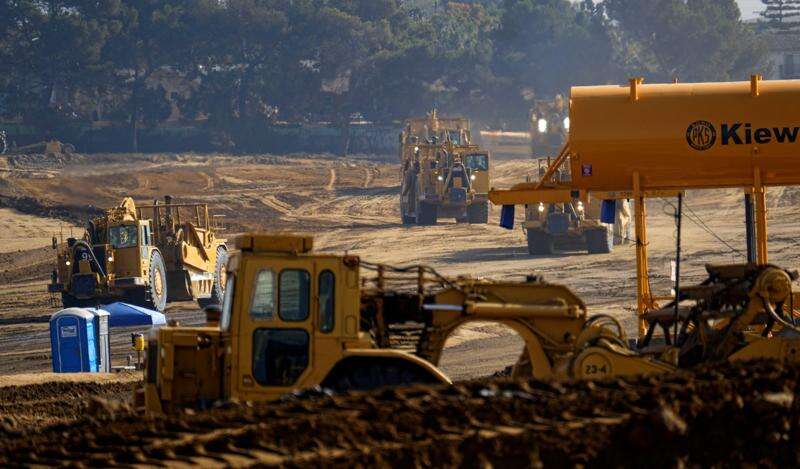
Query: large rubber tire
{"x":404,"y":216}
{"x":478,"y":213}
{"x":361,"y":374}
{"x":218,"y":290}
{"x":599,"y":241}
{"x":156,"y":290}
{"x":426,"y":214}
{"x":70,"y":301}
{"x":540,"y":243}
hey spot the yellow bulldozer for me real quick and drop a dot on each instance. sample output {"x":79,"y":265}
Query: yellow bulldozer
{"x":293,"y":319}
{"x":442,"y":173}
{"x":143,"y":260}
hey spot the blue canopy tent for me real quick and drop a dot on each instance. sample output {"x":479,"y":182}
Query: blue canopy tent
{"x":127,"y":315}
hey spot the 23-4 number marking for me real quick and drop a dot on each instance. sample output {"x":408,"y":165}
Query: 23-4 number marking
{"x":595,"y":370}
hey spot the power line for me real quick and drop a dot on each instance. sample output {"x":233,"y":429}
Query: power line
{"x":697,"y":220}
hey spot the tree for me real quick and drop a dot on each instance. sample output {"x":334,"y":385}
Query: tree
{"x":542,"y":47}
{"x":441,"y":59}
{"x":781,"y":15}
{"x":51,"y":51}
{"x":691,"y":40}
{"x":149,"y":35}
{"x":242,"y":56}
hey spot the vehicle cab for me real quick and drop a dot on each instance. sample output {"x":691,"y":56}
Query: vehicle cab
{"x":108,"y":259}
{"x":290,"y":320}
{"x":289,"y":314}
{"x":127,"y":248}
{"x":477,"y":166}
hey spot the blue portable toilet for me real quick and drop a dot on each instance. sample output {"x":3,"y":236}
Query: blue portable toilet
{"x":101,"y":322}
{"x":73,"y":341}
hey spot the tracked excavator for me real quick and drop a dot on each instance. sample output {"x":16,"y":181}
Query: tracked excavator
{"x":146,"y":255}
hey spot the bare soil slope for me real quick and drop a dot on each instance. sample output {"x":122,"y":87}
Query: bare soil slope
{"x":722,"y":415}
{"x":350,"y":205}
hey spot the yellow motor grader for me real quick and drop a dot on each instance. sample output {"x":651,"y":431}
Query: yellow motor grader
{"x":148,"y":261}
{"x":442,"y":173}
{"x":293,"y":319}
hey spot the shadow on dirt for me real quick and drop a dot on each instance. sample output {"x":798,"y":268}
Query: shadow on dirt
{"x":502,"y":253}
{"x":24,"y":320}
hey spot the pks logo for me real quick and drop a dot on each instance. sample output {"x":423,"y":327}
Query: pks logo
{"x":701,"y":135}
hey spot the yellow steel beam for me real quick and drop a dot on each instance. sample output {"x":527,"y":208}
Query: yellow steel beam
{"x":526,"y":194}
{"x":760,"y":193}
{"x":644,"y":300}
{"x":551,"y":169}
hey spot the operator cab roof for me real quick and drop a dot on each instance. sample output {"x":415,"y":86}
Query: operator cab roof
{"x":275,"y":243}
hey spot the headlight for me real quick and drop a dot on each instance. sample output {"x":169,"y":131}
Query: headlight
{"x":566,"y":123}
{"x":579,"y":206}
{"x":416,"y":148}
{"x":473,"y":177}
{"x":542,"y":123}
{"x":68,"y":263}
{"x":440,"y":178}
{"x":110,"y":258}
{"x":541,"y":207}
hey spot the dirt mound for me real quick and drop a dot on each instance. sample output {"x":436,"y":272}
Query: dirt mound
{"x":77,"y":214}
{"x":31,"y":264}
{"x":739,"y":415}
{"x":46,"y":160}
{"x":36,"y":405}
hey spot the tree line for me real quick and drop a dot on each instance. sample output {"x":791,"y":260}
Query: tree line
{"x":233,"y":63}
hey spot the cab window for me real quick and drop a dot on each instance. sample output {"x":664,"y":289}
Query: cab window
{"x":477,"y":162}
{"x":145,"y":235}
{"x":121,"y":237}
{"x":279,"y":356}
{"x":294,"y":295}
{"x":327,"y":289}
{"x":263,"y":304}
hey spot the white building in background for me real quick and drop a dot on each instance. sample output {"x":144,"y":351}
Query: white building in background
{"x":784,"y":56}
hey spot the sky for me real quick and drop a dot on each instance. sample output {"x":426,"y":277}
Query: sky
{"x":750,"y":8}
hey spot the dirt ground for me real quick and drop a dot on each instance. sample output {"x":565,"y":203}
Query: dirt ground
{"x":719,"y":416}
{"x":349,"y":205}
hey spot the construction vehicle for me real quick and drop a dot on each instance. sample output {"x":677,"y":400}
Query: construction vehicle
{"x":655,"y":141}
{"x":549,"y":126}
{"x":295,"y":319}
{"x":442,"y":173}
{"x":146,"y":261}
{"x":573,"y":225}
{"x":48,"y":147}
